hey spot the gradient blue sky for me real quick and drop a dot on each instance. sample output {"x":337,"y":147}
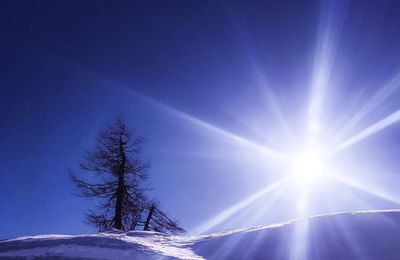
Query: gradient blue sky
{"x":70,"y":67}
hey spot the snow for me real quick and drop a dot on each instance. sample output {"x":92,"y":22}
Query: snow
{"x":353,"y":235}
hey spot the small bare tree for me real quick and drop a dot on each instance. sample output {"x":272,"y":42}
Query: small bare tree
{"x":116,"y":172}
{"x":157,"y":220}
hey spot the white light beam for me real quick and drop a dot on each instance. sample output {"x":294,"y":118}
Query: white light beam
{"x":212,"y":128}
{"x":373,"y":191}
{"x":388,"y":89}
{"x":219,"y":218}
{"x":205,"y":125}
{"x":375,"y":128}
{"x":331,"y":21}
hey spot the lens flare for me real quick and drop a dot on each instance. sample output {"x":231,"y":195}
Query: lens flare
{"x":307,"y":166}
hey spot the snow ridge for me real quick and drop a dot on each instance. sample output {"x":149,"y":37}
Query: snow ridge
{"x":351,"y":235}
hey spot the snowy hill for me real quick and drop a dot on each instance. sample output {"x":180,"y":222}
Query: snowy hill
{"x":354,"y":235}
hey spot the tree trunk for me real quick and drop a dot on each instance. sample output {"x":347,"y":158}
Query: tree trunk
{"x":146,"y":225}
{"x":120,"y":190}
{"x":118,"y":204}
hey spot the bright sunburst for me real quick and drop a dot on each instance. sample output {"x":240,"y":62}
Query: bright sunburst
{"x":308,"y":165}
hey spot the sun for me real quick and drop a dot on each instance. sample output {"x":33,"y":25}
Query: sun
{"x":308,"y":166}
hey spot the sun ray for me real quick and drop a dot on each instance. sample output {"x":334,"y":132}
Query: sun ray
{"x":269,"y":152}
{"x":350,"y":238}
{"x":222,"y":216}
{"x":222,"y":132}
{"x":200,"y":154}
{"x":299,"y":243}
{"x":260,"y":79}
{"x":219,"y":131}
{"x":272,"y":100}
{"x":259,"y":211}
{"x":373,"y":129}
{"x":326,"y":45}
{"x":371,"y":190}
{"x":388,"y":89}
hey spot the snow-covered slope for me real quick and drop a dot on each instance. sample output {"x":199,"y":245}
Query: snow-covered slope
{"x":355,"y":235}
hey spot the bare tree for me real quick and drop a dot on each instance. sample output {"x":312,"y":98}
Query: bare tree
{"x":157,"y":220}
{"x":115,"y":173}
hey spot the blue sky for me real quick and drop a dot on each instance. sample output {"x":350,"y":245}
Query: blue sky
{"x":191,"y":77}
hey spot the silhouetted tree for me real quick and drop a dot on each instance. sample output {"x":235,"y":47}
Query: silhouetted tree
{"x":116,"y":174}
{"x":157,"y":220}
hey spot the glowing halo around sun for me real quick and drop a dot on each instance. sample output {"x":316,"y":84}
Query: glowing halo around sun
{"x":307,"y":166}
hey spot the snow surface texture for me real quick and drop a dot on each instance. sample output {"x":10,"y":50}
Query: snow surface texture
{"x":354,"y":235}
